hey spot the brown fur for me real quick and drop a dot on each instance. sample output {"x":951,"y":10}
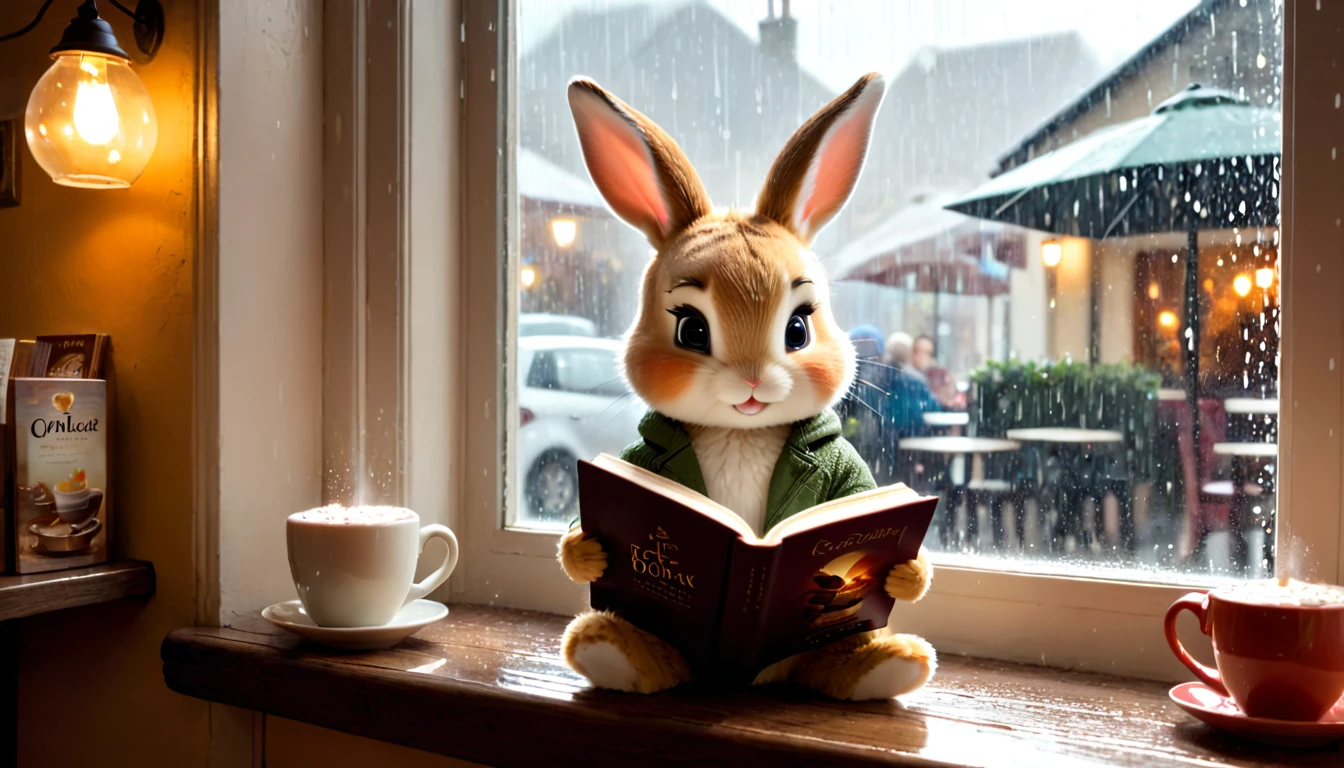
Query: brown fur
{"x":658,"y":666}
{"x":581,"y":558}
{"x":747,"y":263}
{"x":750,"y":263}
{"x":837,"y":669}
{"x":685,"y":194}
{"x":910,"y":581}
{"x":785,"y":178}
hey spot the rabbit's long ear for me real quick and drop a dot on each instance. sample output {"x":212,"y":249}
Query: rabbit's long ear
{"x":639,"y":169}
{"x":819,"y":166}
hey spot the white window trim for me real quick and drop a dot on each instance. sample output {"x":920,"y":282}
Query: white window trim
{"x":1068,"y":621}
{"x":392,"y":190}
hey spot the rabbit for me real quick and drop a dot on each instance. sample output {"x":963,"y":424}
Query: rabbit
{"x":736,"y":352}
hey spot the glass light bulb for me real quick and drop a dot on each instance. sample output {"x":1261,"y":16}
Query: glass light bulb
{"x":95,"y":111}
{"x":90,"y":122}
{"x":1051,"y":253}
{"x":564,"y":231}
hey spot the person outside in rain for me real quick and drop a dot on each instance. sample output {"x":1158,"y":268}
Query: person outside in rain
{"x":886,"y":404}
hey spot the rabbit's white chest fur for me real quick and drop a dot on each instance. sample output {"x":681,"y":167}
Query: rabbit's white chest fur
{"x":737,"y":465}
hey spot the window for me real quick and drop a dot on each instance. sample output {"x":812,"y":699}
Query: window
{"x":1065,"y":304}
{"x":988,"y":315}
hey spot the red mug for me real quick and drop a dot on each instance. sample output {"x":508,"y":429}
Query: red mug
{"x":1275,"y":661}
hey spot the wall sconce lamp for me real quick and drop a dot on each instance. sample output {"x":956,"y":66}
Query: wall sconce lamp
{"x":1242,"y":285}
{"x":90,"y":122}
{"x":564,"y":231}
{"x":1052,"y":251}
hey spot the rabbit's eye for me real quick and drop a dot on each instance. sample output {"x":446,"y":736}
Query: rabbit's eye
{"x":798,"y":333}
{"x":692,"y":330}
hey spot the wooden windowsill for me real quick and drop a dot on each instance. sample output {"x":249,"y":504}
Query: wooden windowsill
{"x":487,"y":684}
{"x":34,"y":593}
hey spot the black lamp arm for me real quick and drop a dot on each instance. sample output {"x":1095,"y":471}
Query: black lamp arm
{"x":31,"y":25}
{"x":121,"y":8}
{"x":148,"y":16}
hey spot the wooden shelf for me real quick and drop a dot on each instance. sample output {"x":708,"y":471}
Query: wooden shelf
{"x":488,"y":685}
{"x":36,"y":593}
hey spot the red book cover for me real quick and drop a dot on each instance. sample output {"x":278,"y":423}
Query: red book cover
{"x":694,"y":574}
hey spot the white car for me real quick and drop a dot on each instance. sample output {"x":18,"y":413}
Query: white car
{"x":573,"y":404}
{"x":543,"y":324}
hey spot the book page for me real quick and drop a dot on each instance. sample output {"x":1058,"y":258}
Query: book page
{"x":876,"y":500}
{"x":676,"y":492}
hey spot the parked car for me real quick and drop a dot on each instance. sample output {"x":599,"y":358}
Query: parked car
{"x":573,"y":404}
{"x":543,"y":324}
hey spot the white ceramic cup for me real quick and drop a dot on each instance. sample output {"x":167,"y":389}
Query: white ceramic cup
{"x":357,"y":568}
{"x":77,"y":506}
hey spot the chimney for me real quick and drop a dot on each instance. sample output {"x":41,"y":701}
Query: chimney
{"x":779,"y":35}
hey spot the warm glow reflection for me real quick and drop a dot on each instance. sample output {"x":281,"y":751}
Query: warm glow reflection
{"x":1264,"y":277}
{"x":95,"y":111}
{"x":1167,"y":319}
{"x":1153,"y":291}
{"x":1051,"y":253}
{"x":529,"y":277}
{"x":564,"y":231}
{"x":1242,"y":285}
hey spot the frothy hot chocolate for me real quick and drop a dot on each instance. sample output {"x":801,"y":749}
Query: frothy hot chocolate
{"x":335,"y":514}
{"x":1293,"y":594}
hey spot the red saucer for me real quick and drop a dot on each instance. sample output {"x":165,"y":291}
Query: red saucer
{"x":1223,"y":713}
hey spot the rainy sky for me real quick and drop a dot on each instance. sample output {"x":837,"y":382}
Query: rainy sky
{"x":838,"y":39}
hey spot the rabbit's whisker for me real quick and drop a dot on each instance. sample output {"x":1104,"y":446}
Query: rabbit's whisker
{"x":614,"y":401}
{"x":872,"y":385}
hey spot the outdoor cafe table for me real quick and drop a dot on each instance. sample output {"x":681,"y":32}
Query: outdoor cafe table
{"x":1251,"y":405}
{"x":1244,"y":458}
{"x":1250,"y":419}
{"x":950,"y":447}
{"x":1070,"y":444}
{"x":947,"y":418}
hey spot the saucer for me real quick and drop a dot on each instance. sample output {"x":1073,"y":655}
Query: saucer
{"x":1223,"y":713}
{"x":53,"y":537}
{"x":412,"y":618}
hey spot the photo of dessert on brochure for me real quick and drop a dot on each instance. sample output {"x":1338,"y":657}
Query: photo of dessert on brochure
{"x":61,"y":510}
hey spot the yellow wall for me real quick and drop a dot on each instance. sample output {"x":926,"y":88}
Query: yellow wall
{"x":1116,"y":259}
{"x":1071,"y":317}
{"x":118,"y":262}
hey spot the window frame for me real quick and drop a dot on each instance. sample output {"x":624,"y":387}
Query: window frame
{"x":1075,"y":621}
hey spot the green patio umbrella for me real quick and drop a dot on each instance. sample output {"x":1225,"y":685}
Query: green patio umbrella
{"x":1204,"y":158}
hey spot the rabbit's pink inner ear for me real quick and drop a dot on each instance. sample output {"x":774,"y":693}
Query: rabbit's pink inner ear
{"x":835,"y":167}
{"x":621,"y":165}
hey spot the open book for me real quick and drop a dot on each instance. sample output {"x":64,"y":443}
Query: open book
{"x":693,"y":573}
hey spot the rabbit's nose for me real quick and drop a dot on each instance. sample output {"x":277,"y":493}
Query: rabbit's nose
{"x":753,"y":384}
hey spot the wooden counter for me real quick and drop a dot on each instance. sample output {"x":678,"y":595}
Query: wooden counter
{"x":34,"y":593}
{"x":488,"y":685}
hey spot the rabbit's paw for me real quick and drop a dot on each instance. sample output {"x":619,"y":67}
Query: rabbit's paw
{"x":909,"y":581}
{"x":615,"y":654}
{"x":886,"y":666}
{"x":582,"y":558}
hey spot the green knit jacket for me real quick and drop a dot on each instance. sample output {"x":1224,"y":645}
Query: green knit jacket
{"x":816,"y":466}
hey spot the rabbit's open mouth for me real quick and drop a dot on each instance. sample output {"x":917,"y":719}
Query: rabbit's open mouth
{"x":751,"y":407}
